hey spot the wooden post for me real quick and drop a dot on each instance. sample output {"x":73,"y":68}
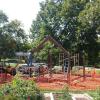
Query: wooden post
{"x":59,"y":59}
{"x":30,"y":70}
{"x":84,"y":76}
{"x":68,"y":70}
{"x":74,"y":59}
{"x":50,"y":63}
{"x":78,"y":59}
{"x":63,"y":63}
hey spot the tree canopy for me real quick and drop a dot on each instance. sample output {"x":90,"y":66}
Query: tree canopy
{"x":73,"y":23}
{"x":12,"y":37}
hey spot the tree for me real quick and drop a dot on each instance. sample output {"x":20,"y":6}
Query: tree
{"x":47,"y":20}
{"x":89,"y":20}
{"x":15,"y":30}
{"x":12,"y":37}
{"x":3,"y":20}
{"x":74,"y":23}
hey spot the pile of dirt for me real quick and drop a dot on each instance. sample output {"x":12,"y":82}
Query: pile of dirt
{"x":5,"y":78}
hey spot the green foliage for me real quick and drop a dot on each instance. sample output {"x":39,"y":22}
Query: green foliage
{"x":20,"y":89}
{"x":12,"y":37}
{"x":95,"y":94}
{"x":8,"y":97}
{"x":66,"y":95}
{"x":74,"y":23}
{"x":3,"y":18}
{"x":89,"y":20}
{"x":42,"y":55}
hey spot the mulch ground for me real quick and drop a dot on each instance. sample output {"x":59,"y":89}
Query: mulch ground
{"x":59,"y":81}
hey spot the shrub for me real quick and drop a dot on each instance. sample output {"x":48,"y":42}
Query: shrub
{"x":95,"y":94}
{"x":20,"y":89}
{"x":66,"y":95}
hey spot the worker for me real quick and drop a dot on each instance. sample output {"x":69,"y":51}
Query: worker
{"x":29,"y":62}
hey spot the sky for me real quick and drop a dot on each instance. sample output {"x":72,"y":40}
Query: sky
{"x":22,"y":10}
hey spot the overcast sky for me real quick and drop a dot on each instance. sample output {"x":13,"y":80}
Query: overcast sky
{"x":23,"y":10}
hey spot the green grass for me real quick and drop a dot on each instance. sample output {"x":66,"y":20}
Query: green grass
{"x":98,"y":71}
{"x":95,"y":94}
{"x":11,"y":62}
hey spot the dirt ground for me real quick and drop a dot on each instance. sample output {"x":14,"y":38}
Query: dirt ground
{"x":59,"y":81}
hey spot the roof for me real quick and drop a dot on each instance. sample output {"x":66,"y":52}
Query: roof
{"x":49,"y":38}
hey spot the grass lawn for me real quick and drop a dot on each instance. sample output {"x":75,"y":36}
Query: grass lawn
{"x":95,"y":94}
{"x":98,"y":71}
{"x":11,"y":62}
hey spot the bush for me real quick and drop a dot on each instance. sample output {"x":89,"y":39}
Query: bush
{"x":66,"y":95}
{"x":95,"y":94}
{"x":20,"y":90}
{"x":8,"y":97}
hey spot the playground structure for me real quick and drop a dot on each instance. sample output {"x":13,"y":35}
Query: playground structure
{"x":66,"y":75}
{"x":66,"y":59}
{"x":48,"y":78}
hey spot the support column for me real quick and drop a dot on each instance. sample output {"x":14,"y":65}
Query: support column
{"x":84,"y":76}
{"x":68,"y":70}
{"x":50,"y":63}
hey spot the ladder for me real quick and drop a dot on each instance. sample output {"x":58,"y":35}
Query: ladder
{"x":63,"y":61}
